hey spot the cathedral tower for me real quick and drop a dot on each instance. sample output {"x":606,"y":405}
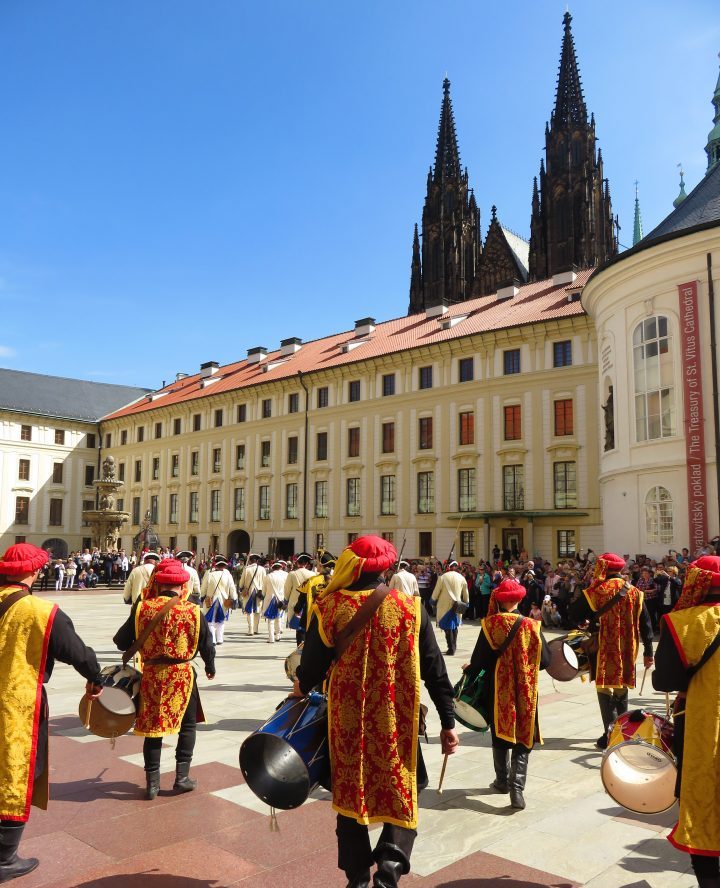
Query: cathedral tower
{"x":446,"y":266}
{"x":571,"y":222}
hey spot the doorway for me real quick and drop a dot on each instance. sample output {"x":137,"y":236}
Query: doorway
{"x":512,"y":540}
{"x":281,"y":547}
{"x":238,"y":541}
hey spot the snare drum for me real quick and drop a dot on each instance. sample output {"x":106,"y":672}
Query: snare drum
{"x":638,"y":768}
{"x":292,"y":661}
{"x":567,"y":657}
{"x":470,"y":704}
{"x":113,"y":713}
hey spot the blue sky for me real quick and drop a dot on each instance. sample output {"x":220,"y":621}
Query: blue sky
{"x":183,"y":180}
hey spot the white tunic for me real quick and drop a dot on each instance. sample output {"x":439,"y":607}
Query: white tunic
{"x":450,"y":587}
{"x":406,"y":582}
{"x":217,"y":585}
{"x":294,"y":581}
{"x":274,"y":587}
{"x":194,"y":581}
{"x":251,"y":578}
{"x":136,"y":582}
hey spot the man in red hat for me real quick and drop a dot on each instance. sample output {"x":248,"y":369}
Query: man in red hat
{"x":169,"y":698}
{"x":617,"y":607}
{"x":511,"y":649}
{"x":33,"y":634}
{"x":687,"y":661}
{"x":382,"y":644}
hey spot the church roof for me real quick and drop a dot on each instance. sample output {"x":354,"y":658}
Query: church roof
{"x":534,"y":303}
{"x":61,"y":398}
{"x":520,"y":248}
{"x":700,"y":207}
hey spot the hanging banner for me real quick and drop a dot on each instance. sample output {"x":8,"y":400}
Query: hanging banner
{"x":694,"y":417}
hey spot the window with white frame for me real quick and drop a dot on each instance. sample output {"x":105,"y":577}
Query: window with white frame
{"x":659,"y":515}
{"x":321,"y":499}
{"x":466,"y":490}
{"x":387,"y":494}
{"x":654,"y":380}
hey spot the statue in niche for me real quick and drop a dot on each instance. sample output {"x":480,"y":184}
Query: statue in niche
{"x":609,"y":409}
{"x":107,"y":502}
{"x":108,"y":469}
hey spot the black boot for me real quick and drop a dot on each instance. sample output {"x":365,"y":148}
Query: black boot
{"x":12,"y":866}
{"x":153,"y":784}
{"x":360,"y":881}
{"x":607,"y":713}
{"x":501,"y":760}
{"x":183,"y":783}
{"x":391,"y":864}
{"x":518,"y":776}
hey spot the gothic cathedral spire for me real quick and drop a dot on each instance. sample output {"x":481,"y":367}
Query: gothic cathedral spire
{"x":445,"y":268}
{"x":571,"y":223}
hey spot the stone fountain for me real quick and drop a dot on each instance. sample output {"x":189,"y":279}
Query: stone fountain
{"x":105,"y":522}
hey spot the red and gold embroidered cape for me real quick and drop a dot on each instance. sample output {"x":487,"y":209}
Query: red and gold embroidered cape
{"x":516,"y":677}
{"x":165,"y":689}
{"x":619,"y":633}
{"x":312,"y":587}
{"x":373,"y":708}
{"x":24,"y":639}
{"x":698,"y":828}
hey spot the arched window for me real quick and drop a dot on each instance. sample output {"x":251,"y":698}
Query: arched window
{"x":659,"y":515}
{"x":654,"y":380}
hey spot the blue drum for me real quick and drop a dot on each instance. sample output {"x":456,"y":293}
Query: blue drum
{"x":285,"y":759}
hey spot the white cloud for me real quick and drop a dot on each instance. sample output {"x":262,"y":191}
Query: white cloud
{"x":6,"y":352}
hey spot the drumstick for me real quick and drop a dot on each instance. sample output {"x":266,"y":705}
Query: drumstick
{"x":442,"y":773}
{"x":87,"y":712}
{"x":643,"y":680}
{"x":667,"y":704}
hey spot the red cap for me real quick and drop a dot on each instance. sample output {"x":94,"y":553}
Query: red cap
{"x":379,"y":554}
{"x":171,"y":573}
{"x":509,"y":591}
{"x":612,"y":561}
{"x":710,"y":563}
{"x":23,"y":558}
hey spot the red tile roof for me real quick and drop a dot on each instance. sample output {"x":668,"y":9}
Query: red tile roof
{"x":534,"y":303}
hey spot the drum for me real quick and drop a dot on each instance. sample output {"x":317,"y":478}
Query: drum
{"x":638,"y":768}
{"x":567,"y":657}
{"x":113,"y":713}
{"x":470,"y":705}
{"x":292,"y":661}
{"x":285,"y":759}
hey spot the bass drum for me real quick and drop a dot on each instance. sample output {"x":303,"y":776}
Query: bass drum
{"x":292,"y":661}
{"x":113,"y":713}
{"x":469,"y":703}
{"x":286,"y":758}
{"x":567,"y":657}
{"x":638,"y":768}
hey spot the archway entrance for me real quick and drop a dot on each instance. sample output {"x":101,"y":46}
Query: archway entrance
{"x":238,"y":541}
{"x":56,"y":547}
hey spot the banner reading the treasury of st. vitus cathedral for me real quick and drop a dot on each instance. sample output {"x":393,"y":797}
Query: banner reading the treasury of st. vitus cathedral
{"x":694,"y":419}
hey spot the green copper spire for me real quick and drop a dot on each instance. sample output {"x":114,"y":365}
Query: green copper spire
{"x":681,"y":197}
{"x":713,"y":144}
{"x":637,"y":227}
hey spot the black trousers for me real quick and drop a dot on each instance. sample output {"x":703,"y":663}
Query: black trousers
{"x":705,"y":867}
{"x":152,"y":747}
{"x":451,"y":639}
{"x":356,"y":855}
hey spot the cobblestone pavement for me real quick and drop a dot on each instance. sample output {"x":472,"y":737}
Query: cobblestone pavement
{"x":99,"y":830}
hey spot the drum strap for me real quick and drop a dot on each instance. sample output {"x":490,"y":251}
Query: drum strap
{"x":511,"y":634}
{"x":365,"y":613}
{"x":621,"y":593}
{"x":145,"y":634}
{"x":709,"y":651}
{"x":8,"y":602}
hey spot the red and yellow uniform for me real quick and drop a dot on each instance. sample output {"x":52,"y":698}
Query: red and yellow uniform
{"x":619,"y":638}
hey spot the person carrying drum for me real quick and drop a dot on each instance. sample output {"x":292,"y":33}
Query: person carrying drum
{"x":381,"y":651}
{"x":512,"y":650}
{"x":313,"y":587}
{"x":168,"y":631}
{"x":33,"y":635}
{"x":295,"y":580}
{"x":453,"y":599}
{"x":218,"y":592}
{"x":618,"y":608}
{"x":687,"y":661}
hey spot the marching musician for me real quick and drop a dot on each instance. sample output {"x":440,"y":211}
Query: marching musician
{"x":453,"y":599}
{"x":620,"y":611}
{"x":295,"y":579}
{"x":273,"y":600}
{"x":33,"y":635}
{"x":185,"y":557}
{"x":218,"y":593}
{"x":405,"y":580}
{"x":169,"y":698}
{"x":373,"y":708}
{"x":313,"y":587}
{"x":250,"y":588}
{"x":140,"y":577}
{"x":511,"y":649}
{"x":686,"y":661}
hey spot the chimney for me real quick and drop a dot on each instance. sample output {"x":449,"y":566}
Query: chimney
{"x":564,"y":277}
{"x":436,"y":311}
{"x":257,"y":354}
{"x":364,"y":327}
{"x":508,"y":290}
{"x":290,"y":346}
{"x":180,"y":375}
{"x":209,"y":368}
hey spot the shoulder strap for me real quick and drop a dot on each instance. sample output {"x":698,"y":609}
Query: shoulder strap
{"x":145,"y":634}
{"x":365,"y":613}
{"x":709,"y":651}
{"x":8,"y":602}
{"x":621,"y":593}
{"x":511,"y":634}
